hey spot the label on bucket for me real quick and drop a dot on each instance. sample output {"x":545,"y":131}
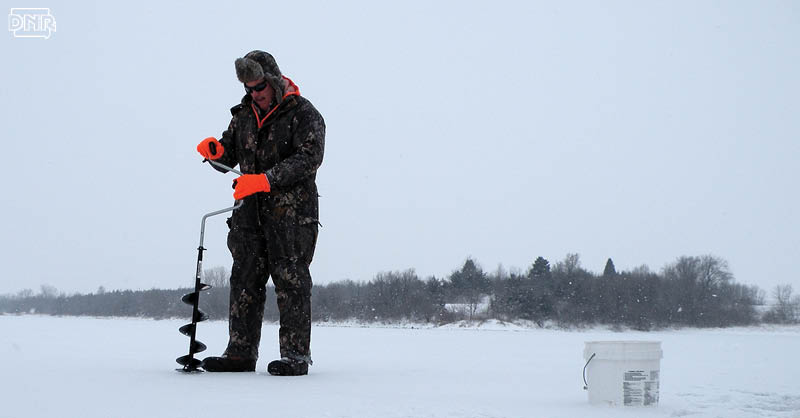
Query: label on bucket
{"x":640,"y":387}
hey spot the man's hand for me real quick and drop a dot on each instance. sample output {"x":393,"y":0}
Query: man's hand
{"x":210,"y":148}
{"x":248,"y":184}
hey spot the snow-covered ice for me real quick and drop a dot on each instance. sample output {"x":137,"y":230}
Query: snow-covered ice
{"x":86,"y":367}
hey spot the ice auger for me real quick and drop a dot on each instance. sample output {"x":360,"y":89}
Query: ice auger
{"x":189,"y":363}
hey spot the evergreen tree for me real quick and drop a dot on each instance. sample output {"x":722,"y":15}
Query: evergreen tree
{"x":470,"y":284}
{"x":609,"y":271}
{"x":540,"y":269}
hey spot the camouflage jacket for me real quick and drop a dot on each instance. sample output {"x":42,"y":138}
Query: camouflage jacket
{"x":287,"y":144}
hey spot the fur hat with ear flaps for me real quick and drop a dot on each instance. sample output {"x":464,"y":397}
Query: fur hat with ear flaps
{"x":257,"y":65}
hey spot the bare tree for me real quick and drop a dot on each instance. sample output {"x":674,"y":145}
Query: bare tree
{"x":643,"y":270}
{"x":216,"y":276}
{"x":49,"y":291}
{"x":697,"y":283}
{"x":786,"y":309}
{"x":713,"y":272}
{"x":570,"y":265}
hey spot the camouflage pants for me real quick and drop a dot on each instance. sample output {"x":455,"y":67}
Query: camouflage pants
{"x":284,"y":253}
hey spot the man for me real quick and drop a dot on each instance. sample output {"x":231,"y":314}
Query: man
{"x":277,"y":138}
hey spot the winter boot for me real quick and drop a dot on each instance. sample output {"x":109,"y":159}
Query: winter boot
{"x":228,"y":364}
{"x":288,"y":367}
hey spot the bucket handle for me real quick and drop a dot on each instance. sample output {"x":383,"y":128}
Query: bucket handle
{"x":585,"y":384}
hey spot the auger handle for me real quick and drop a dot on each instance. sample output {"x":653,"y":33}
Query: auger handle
{"x":223,"y":166}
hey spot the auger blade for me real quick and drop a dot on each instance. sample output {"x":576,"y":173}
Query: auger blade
{"x":198,"y":347}
{"x":190,"y":298}
{"x":204,"y":286}
{"x":189,"y":362}
{"x":187,"y":329}
{"x":201,"y":316}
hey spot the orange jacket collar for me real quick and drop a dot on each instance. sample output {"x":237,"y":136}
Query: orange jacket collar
{"x":289,"y":88}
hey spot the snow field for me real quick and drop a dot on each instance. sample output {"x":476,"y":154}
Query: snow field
{"x":88,"y":367}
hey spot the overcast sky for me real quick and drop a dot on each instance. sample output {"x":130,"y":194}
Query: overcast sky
{"x":640,"y":131}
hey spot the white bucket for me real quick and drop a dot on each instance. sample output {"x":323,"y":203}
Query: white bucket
{"x":622,"y":373}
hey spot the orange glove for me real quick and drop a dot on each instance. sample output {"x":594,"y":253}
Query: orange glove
{"x":210,"y":148}
{"x":248,"y":184}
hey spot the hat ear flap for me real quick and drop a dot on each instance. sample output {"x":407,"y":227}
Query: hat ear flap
{"x":277,"y":87}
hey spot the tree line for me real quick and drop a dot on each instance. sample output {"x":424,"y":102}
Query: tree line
{"x":691,"y":291}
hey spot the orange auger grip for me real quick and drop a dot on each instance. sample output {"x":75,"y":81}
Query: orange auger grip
{"x":248,"y":184}
{"x":210,"y":148}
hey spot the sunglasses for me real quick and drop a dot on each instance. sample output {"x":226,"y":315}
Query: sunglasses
{"x":257,"y":87}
